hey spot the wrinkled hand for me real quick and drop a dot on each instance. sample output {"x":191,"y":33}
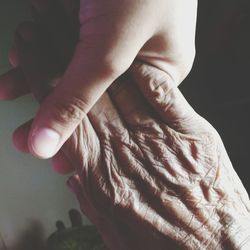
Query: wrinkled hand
{"x":151,"y":173}
{"x":152,"y":180}
{"x":111,"y":35}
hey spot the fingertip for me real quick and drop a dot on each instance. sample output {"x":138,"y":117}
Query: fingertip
{"x":43,"y":142}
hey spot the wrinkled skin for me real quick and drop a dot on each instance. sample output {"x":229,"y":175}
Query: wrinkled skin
{"x":146,"y":180}
{"x":150,"y":172}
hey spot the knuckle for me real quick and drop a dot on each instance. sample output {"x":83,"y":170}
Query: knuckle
{"x":112,"y":68}
{"x":161,"y":87}
{"x":72,"y":111}
{"x":102,"y":56}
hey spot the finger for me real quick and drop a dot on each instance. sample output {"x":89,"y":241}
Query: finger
{"x":75,"y":185}
{"x":61,"y":164}
{"x":98,"y":60}
{"x":165,"y":97}
{"x":140,"y":116}
{"x":13,"y":85}
{"x":20,"y":137}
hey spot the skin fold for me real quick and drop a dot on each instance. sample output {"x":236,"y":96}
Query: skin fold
{"x":150,"y":173}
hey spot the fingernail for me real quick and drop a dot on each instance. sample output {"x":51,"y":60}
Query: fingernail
{"x":44,"y":142}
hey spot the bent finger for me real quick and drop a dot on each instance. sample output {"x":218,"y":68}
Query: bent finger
{"x":162,"y":93}
{"x":132,"y":105}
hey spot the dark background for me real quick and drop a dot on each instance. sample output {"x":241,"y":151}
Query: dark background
{"x":218,"y":86}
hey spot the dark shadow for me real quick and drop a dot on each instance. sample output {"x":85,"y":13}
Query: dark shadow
{"x":76,"y":236}
{"x":32,"y":238}
{"x":218,"y":86}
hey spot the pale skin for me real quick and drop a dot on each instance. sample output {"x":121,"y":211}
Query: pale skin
{"x":150,"y":172}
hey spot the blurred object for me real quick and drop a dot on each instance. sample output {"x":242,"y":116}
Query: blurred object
{"x":2,"y":244}
{"x":31,"y":239}
{"x":77,"y":237}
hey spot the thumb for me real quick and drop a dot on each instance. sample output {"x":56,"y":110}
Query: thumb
{"x":109,"y":41}
{"x":96,"y":63}
{"x":65,"y":107}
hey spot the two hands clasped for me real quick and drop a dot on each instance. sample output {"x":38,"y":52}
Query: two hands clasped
{"x":150,"y":173}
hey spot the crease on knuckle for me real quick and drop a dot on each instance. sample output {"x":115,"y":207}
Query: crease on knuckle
{"x":72,"y":111}
{"x":161,"y":89}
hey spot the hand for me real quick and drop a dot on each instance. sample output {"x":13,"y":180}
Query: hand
{"x":111,"y":36}
{"x":154,"y":180}
{"x":151,"y":173}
